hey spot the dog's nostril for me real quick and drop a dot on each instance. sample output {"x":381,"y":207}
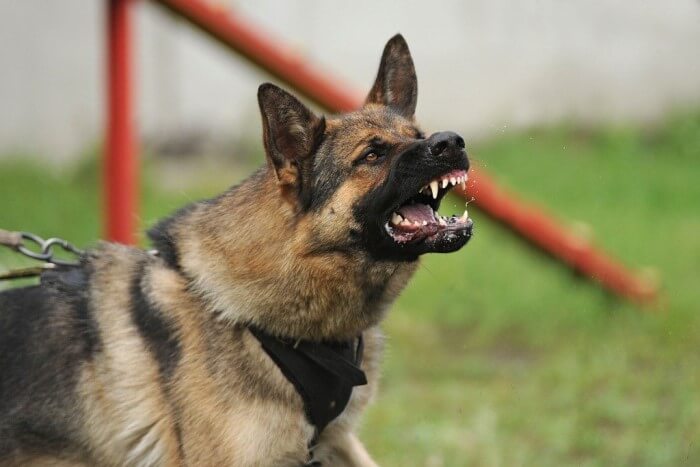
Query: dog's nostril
{"x":460,"y":142}
{"x":438,"y":147}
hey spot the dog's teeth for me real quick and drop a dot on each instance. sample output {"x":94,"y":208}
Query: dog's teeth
{"x":444,"y":182}
{"x":463,"y":185}
{"x":425,"y":223}
{"x":405,"y":222}
{"x":453,"y":181}
{"x":465,"y":216}
{"x":434,"y":189}
{"x":396,"y":219}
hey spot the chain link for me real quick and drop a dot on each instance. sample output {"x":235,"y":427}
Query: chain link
{"x":45,"y":250}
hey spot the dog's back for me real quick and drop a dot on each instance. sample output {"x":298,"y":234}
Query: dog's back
{"x":45,"y":336}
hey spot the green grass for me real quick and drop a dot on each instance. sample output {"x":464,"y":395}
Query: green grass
{"x":498,"y":356}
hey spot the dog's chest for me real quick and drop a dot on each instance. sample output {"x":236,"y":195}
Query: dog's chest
{"x":263,"y":434}
{"x":253,"y":417}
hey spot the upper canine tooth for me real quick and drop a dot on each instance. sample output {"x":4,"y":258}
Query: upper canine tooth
{"x":434,"y":189}
{"x":444,"y":182}
{"x":396,"y":219}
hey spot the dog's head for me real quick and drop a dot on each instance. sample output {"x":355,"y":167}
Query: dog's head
{"x":369,"y":180}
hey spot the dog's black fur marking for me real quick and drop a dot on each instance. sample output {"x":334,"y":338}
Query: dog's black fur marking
{"x":47,"y":333}
{"x":162,"y":237}
{"x":73,"y":283}
{"x":327,"y":174}
{"x":156,"y":331}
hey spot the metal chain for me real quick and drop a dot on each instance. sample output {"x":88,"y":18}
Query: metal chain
{"x":45,"y":250}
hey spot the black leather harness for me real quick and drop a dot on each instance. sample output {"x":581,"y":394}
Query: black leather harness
{"x":323,"y":373}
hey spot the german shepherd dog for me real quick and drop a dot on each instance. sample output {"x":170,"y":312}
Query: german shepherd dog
{"x":251,"y":337}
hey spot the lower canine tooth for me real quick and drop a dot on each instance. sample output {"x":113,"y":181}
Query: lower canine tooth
{"x":465,"y":216}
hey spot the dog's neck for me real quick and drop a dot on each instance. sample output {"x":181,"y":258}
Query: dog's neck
{"x":250,"y":262}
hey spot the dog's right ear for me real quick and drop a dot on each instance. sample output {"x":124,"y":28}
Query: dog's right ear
{"x":291,"y":133}
{"x":396,"y":85}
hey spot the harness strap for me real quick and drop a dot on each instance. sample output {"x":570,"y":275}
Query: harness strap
{"x":323,"y":373}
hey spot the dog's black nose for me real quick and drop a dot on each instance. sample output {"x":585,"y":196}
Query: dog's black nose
{"x":444,"y":140}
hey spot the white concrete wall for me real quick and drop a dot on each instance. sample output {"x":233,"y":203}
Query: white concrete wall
{"x":483,"y":65}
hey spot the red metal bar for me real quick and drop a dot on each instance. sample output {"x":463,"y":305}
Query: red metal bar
{"x":120,"y":168}
{"x":538,"y":228}
{"x":524,"y":219}
{"x":247,"y":40}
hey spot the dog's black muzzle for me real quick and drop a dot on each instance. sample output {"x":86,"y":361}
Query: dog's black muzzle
{"x":412,"y":169}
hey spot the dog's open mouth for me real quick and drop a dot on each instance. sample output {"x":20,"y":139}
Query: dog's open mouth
{"x":417,"y":218}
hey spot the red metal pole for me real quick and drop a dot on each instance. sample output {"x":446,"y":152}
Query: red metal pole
{"x":120,"y":168}
{"x":526,"y":220}
{"x":247,"y":40}
{"x":543,"y":232}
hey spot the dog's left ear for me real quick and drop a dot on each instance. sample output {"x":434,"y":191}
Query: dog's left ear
{"x":396,"y":85}
{"x":291,"y":133}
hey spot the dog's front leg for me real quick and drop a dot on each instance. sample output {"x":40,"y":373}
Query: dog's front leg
{"x":344,"y":450}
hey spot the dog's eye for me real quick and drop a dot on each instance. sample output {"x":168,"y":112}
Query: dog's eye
{"x":371,"y":155}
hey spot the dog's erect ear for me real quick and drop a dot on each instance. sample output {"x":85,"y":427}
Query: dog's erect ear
{"x":396,"y":85}
{"x":291,"y":132}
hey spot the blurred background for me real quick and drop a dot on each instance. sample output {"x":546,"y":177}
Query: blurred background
{"x":496,"y":355}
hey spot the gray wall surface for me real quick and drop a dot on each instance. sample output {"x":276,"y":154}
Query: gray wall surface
{"x":484,"y":66}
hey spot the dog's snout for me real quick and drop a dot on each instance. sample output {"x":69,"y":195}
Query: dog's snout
{"x":444,"y":140}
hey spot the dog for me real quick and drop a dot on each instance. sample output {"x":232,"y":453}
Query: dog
{"x":250,"y":337}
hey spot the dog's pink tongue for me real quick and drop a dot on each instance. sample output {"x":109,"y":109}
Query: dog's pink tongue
{"x":417,"y":213}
